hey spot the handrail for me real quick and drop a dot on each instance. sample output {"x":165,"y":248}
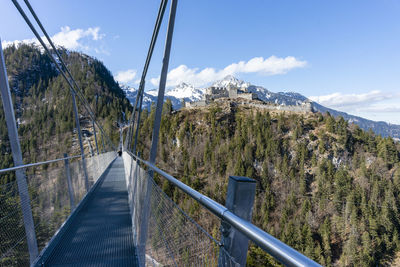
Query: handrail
{"x":276,"y":248}
{"x":37,"y":164}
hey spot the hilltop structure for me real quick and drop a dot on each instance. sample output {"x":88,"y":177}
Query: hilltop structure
{"x":230,"y":91}
{"x":216,"y":92}
{"x":241,"y":95}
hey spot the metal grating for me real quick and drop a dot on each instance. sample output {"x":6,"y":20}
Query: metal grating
{"x":101,"y":233}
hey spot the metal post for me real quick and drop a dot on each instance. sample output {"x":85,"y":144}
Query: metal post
{"x":138,"y":123}
{"x":90,"y":146}
{"x":156,"y":129}
{"x":121,"y":142}
{"x":102,"y":141}
{"x":17,"y":158}
{"x":148,"y":188}
{"x":78,"y":129}
{"x":69,"y":183}
{"x":163,"y":80}
{"x":128,"y":134}
{"x":95,"y":137}
{"x":240,"y":201}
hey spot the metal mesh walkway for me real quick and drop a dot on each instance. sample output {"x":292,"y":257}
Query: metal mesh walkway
{"x":101,"y":233}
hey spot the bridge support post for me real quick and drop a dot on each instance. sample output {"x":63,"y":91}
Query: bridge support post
{"x":121,"y":140}
{"x":95,"y":137}
{"x":240,"y":201}
{"x":90,"y":146}
{"x":17,"y":158}
{"x":156,"y":131}
{"x":69,"y":183}
{"x":102,"y":141}
{"x":138,"y":118}
{"x":148,"y":186}
{"x":78,"y":129}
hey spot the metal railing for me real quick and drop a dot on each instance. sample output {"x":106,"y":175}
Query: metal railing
{"x":279,"y":250}
{"x":55,"y":187}
{"x":38,"y":163}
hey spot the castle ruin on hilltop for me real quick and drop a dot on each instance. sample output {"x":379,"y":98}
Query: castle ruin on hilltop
{"x":214,"y":93}
{"x":231,"y":92}
{"x":244,"y":97}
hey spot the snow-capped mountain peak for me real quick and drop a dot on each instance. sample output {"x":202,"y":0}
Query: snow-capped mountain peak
{"x":186,"y":91}
{"x":127,"y":88}
{"x":231,"y":80}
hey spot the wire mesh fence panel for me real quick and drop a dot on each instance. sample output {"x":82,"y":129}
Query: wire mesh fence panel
{"x":50,"y":204}
{"x":77,"y":180}
{"x":226,"y":260}
{"x":97,"y":164}
{"x":50,"y":200}
{"x":13,"y":249}
{"x":172,"y":237}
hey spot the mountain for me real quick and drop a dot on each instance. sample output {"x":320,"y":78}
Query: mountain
{"x":189,"y":93}
{"x":231,"y":80}
{"x":186,"y":91}
{"x":183,"y":91}
{"x":131,"y":94}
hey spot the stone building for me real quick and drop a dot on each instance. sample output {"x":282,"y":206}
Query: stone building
{"x":231,"y":91}
{"x":200,"y":103}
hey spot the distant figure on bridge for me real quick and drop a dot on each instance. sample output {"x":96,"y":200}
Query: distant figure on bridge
{"x":119,"y":153}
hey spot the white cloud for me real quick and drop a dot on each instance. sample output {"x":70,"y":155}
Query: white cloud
{"x":70,"y":39}
{"x":373,"y":105}
{"x":269,"y":66}
{"x":338,"y":100}
{"x":125,"y":76}
{"x":381,"y":108}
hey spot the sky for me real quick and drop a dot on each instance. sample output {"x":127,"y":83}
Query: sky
{"x":342,"y":54}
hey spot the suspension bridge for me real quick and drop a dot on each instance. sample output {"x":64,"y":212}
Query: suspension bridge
{"x":114,"y":213}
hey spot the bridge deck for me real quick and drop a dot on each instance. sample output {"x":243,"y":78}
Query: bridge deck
{"x":101,"y":233}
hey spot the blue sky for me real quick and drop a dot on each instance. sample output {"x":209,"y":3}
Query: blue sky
{"x":343,"y":54}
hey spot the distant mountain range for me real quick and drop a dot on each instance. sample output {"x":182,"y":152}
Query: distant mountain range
{"x":189,"y":93}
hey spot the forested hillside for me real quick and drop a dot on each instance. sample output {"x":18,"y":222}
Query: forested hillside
{"x":327,"y":188}
{"x":43,"y":103}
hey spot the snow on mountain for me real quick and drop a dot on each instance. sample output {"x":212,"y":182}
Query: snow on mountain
{"x":186,"y":91}
{"x":231,"y":80}
{"x":153,"y":92}
{"x":131,"y":94}
{"x":189,"y":93}
{"x":183,"y":91}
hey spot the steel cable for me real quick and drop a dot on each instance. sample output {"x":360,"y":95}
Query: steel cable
{"x":85,"y":103}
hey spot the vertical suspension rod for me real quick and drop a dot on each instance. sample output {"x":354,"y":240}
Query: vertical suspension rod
{"x":17,"y":158}
{"x":95,"y":137}
{"x":138,"y":123}
{"x":78,"y":129}
{"x":163,"y":80}
{"x":156,"y":129}
{"x":138,"y":104}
